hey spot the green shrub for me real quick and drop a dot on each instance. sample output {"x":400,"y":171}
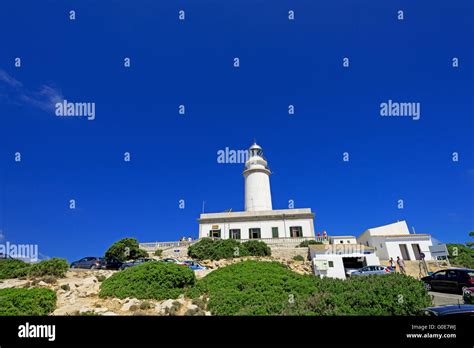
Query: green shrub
{"x":257,"y":248}
{"x":461,"y":255}
{"x":158,"y":252}
{"x":308,"y":242}
{"x":125,"y":249}
{"x":48,"y":269}
{"x":298,"y":258}
{"x":52,"y":267}
{"x":152,"y":280}
{"x":269,"y":288}
{"x":218,"y":249}
{"x":101,"y":277}
{"x":37,"y":301}
{"x":11,"y":268}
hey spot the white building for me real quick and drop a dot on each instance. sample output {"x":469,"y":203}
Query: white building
{"x":335,"y":260}
{"x":394,"y":240}
{"x":258,"y":221}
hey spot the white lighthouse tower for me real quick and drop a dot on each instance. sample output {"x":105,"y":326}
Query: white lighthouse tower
{"x":257,"y":181}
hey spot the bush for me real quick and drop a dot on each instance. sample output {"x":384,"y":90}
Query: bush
{"x":308,"y":242}
{"x":268,"y":288}
{"x":52,"y":267}
{"x":158,"y":252}
{"x":152,"y":280}
{"x":209,"y":249}
{"x":257,"y":248}
{"x":298,"y":258}
{"x":37,"y":301}
{"x":125,"y":249}
{"x":11,"y":268}
{"x":461,"y":255}
{"x":48,"y":269}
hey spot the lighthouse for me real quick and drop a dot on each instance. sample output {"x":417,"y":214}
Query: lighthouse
{"x":257,"y":181}
{"x":258,"y":220}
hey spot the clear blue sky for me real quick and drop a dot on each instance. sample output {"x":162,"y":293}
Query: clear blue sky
{"x":175,"y":157}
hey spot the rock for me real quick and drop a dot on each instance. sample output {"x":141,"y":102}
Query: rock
{"x":131,"y":302}
{"x":42,"y":283}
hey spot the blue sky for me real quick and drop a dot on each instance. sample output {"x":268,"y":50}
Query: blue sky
{"x":174,"y":156}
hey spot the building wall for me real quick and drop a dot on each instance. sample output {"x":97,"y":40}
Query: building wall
{"x":338,"y":271}
{"x":387,"y":248}
{"x":257,"y":191}
{"x":399,"y":227}
{"x":345,"y":240}
{"x":264,"y":225}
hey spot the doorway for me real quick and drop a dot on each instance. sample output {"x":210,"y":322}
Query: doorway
{"x":416,"y":251}
{"x":404,"y":251}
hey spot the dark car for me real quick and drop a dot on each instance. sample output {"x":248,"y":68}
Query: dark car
{"x":452,"y":310}
{"x":90,"y":262}
{"x":135,"y":263}
{"x":113,"y":264}
{"x":450,"y":280}
{"x":468,"y":295}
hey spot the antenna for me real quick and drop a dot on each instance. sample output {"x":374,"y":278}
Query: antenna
{"x":203,"y":205}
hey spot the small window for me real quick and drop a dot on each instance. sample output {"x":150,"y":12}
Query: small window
{"x":254,"y":233}
{"x":234,"y":233}
{"x":331,"y":264}
{"x":296,"y":231}
{"x":215,"y":233}
{"x":381,"y":246}
{"x":341,"y":241}
{"x":274,"y":232}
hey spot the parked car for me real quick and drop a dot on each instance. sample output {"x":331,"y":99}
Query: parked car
{"x":450,"y":280}
{"x":173,"y":260}
{"x":136,"y":262}
{"x":369,"y":270}
{"x":451,"y":310}
{"x":468,"y":295}
{"x":90,"y":262}
{"x":195,"y":266}
{"x":113,"y":264}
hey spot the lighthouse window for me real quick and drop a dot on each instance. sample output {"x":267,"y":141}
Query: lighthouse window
{"x":296,"y":231}
{"x":254,"y":233}
{"x":215,"y":233}
{"x":234,"y":233}
{"x":274,"y":232}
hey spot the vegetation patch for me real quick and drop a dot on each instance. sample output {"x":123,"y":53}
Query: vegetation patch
{"x":308,"y":242}
{"x":269,"y":288}
{"x":53,"y":267}
{"x":461,"y":255}
{"x":48,"y":269}
{"x":125,"y":249}
{"x":10,"y":268}
{"x":152,"y":280}
{"x":209,"y":249}
{"x":36,"y":301}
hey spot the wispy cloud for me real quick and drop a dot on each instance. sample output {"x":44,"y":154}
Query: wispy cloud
{"x":44,"y":98}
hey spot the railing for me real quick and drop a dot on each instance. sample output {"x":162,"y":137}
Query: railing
{"x":163,"y":245}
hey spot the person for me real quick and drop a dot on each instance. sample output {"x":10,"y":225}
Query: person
{"x":319,"y":235}
{"x":392,"y":266}
{"x":325,"y":235}
{"x":401,"y":265}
